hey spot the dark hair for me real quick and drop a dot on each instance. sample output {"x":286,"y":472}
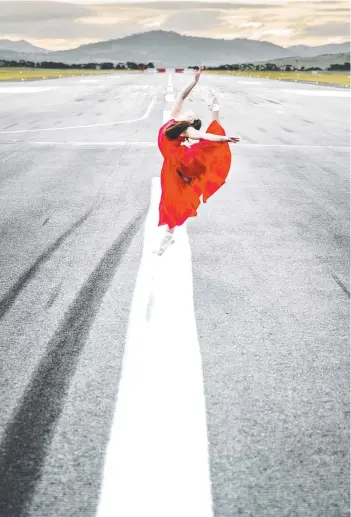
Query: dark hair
{"x":173,"y":131}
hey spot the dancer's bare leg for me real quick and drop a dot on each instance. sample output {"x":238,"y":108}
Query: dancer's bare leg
{"x":214,"y":107}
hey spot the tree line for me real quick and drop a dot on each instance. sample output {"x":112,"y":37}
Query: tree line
{"x":271,"y":67}
{"x":129,"y":65}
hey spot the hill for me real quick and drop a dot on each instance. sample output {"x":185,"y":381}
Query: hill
{"x":322,"y":61}
{"x":166,"y":48}
{"x":21,"y":46}
{"x":331,"y":48}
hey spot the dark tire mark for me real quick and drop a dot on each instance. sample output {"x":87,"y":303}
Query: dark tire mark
{"x":8,"y":127}
{"x":46,"y":220}
{"x":307,"y":121}
{"x":54,"y":294}
{"x":249,"y":140}
{"x":272,"y":102}
{"x":10,"y":297}
{"x":341,"y":284}
{"x":283,"y":141}
{"x":287,"y":130}
{"x":30,"y":433}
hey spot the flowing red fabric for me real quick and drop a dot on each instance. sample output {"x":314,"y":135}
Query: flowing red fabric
{"x":207,"y":163}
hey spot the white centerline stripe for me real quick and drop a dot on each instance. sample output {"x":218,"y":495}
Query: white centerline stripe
{"x":157,"y":457}
{"x":166,"y":115}
{"x":146,"y":114}
{"x":170,"y":97}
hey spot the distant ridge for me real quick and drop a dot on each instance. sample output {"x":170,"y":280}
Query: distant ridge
{"x":168,"y":48}
{"x":20,"y":46}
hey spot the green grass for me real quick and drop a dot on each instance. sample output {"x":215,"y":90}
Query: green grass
{"x":15,"y":74}
{"x":336,"y":78}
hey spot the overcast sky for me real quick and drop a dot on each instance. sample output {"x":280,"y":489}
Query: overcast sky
{"x":60,"y":25}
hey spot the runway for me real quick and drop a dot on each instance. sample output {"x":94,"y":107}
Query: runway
{"x":212,"y":381}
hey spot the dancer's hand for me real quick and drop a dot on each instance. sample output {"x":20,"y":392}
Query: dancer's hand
{"x":232,"y":139}
{"x":197,"y":74}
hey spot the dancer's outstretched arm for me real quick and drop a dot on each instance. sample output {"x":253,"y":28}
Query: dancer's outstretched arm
{"x":194,"y":134}
{"x":177,"y":108}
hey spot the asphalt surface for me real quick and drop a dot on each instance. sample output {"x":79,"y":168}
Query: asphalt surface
{"x":270,"y":257}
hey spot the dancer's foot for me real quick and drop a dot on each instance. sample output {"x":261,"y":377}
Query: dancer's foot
{"x":166,"y":241}
{"x":214,"y":105}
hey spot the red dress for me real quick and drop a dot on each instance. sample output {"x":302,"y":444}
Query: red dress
{"x":205,"y":165}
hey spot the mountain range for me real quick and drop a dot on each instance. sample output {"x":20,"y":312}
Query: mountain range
{"x":21,"y":46}
{"x":167,"y":48}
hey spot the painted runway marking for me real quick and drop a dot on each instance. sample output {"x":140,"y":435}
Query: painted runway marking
{"x":320,"y":93}
{"x":157,"y":460}
{"x":170,"y":97}
{"x":249,"y":82}
{"x":295,"y":146}
{"x":166,"y":117}
{"x":119,"y":143}
{"x":89,"y":81}
{"x":146,"y":114}
{"x":26,"y":89}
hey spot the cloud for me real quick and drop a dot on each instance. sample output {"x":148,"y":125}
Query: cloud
{"x":327,"y":29}
{"x":59,"y":25}
{"x":11,"y":12}
{"x":203,"y":20}
{"x":334,"y":11}
{"x":171,"y":5}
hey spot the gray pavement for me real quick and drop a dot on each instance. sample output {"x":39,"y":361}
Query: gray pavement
{"x":271,"y":289}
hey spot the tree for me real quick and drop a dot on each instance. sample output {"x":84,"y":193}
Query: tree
{"x":131,"y":65}
{"x":271,"y":67}
{"x":90,"y":66}
{"x":345,"y":66}
{"x":106,"y":66}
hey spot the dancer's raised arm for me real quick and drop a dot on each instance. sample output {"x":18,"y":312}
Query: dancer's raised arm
{"x":194,"y":134}
{"x":177,"y":108}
